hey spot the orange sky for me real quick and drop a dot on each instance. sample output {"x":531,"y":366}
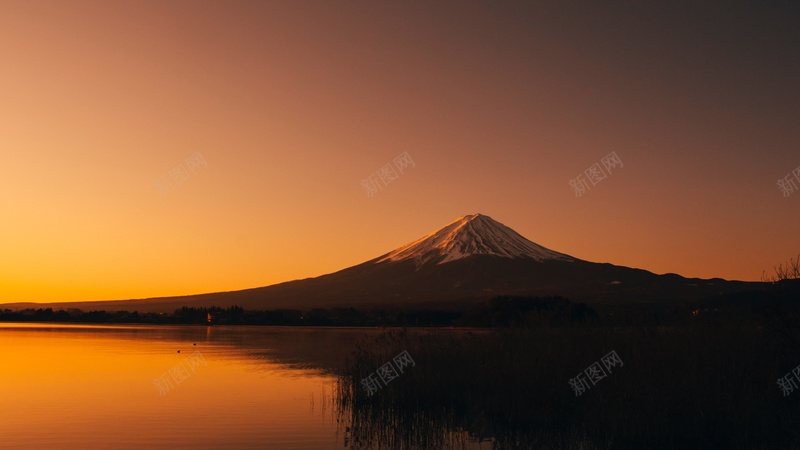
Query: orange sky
{"x":293,"y":104}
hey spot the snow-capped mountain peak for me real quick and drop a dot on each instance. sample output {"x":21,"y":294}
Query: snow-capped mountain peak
{"x":469,"y":235}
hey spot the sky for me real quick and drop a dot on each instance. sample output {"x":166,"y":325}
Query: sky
{"x":157,"y":148}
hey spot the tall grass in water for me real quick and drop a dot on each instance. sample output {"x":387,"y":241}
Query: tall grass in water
{"x":692,"y":387}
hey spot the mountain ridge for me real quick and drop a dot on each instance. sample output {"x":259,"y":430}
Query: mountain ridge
{"x":468,"y":260}
{"x":474,"y":234}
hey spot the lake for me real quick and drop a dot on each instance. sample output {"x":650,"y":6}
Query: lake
{"x":242,"y":387}
{"x":100,"y":387}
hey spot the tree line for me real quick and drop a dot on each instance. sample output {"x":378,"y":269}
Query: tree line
{"x":502,"y":311}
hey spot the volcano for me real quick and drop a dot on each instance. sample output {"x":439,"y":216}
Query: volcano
{"x":471,"y":259}
{"x":471,"y":236}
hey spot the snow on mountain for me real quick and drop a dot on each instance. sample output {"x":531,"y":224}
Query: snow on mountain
{"x":474,"y":234}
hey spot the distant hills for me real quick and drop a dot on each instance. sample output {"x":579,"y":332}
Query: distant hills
{"x":472,"y":259}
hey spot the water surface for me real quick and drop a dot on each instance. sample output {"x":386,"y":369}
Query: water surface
{"x":94,"y":387}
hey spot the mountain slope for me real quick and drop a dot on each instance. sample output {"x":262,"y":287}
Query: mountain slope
{"x":468,"y":236}
{"x":470,"y":259}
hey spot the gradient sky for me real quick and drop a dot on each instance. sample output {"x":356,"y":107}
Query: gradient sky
{"x":293,"y":103}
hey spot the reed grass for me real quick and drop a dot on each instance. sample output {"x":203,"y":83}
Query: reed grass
{"x":679,"y":387}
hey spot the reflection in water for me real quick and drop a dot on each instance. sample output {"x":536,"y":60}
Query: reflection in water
{"x":680,"y":387}
{"x":387,"y":408}
{"x":92,"y":387}
{"x":381,"y":426}
{"x":467,"y":390}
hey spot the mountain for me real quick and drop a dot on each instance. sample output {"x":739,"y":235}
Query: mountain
{"x":468,"y":260}
{"x":469,"y":236}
